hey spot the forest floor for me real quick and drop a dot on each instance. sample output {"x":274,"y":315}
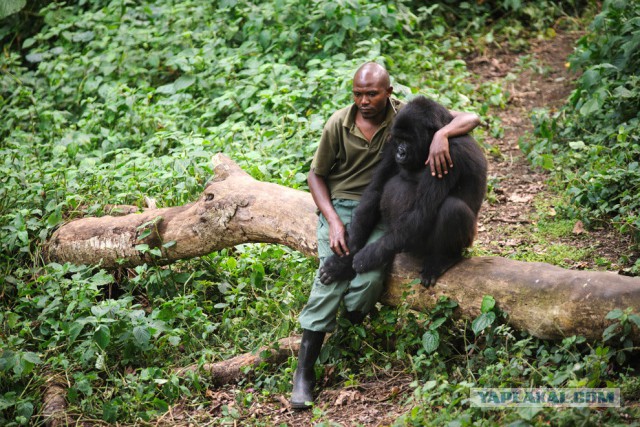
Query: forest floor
{"x":536,"y":78}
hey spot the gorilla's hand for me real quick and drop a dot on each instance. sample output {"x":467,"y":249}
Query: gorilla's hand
{"x":336,"y":268}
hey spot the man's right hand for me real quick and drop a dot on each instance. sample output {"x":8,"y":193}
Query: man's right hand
{"x":322,"y":198}
{"x":338,"y":238}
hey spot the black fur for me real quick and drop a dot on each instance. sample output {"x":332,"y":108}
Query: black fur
{"x":432,"y":218}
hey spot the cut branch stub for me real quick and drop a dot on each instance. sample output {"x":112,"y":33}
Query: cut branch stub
{"x":233,"y":209}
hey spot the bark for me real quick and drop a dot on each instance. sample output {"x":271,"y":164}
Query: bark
{"x":54,"y":404}
{"x":544,"y":300}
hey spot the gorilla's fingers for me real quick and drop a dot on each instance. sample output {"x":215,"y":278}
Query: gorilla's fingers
{"x":428,"y":281}
{"x":431,"y":272}
{"x":363,"y":261}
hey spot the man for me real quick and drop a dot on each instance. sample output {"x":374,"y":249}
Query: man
{"x":350,"y":148}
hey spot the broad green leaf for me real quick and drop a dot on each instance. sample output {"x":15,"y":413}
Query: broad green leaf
{"x":528,"y":412}
{"x":102,"y":336}
{"x":9,"y":7}
{"x":591,"y":106}
{"x":265,"y":38}
{"x":488,"y":302}
{"x":160,"y":405}
{"x":482,"y":322}
{"x":430,"y":341}
{"x":616,"y":313}
{"x":24,"y":409}
{"x":54,"y":219}
{"x":142,"y":248}
{"x":100,"y":310}
{"x":102,"y":278}
{"x":74,"y":331}
{"x":635,"y":319}
{"x":168,"y":89}
{"x":436,"y":323}
{"x":610,"y":332}
{"x":31,"y":357}
{"x":512,"y":4}
{"x":141,"y":335}
{"x":183,"y":82}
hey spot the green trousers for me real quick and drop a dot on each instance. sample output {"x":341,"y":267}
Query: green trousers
{"x":359,"y":294}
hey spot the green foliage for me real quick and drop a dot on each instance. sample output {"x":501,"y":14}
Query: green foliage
{"x":9,"y":7}
{"x":506,"y":22}
{"x":592,"y":146}
{"x":497,"y":356}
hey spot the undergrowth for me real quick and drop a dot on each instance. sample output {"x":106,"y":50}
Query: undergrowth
{"x":592,"y":145}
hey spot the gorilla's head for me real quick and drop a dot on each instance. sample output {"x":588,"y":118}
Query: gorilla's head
{"x":413,"y":130}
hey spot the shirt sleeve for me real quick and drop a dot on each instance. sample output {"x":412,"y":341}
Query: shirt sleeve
{"x":328,"y":149}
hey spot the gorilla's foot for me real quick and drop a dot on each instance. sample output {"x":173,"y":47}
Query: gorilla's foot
{"x":355,"y":317}
{"x":336,"y":268}
{"x":432,"y":271}
{"x":369,"y":258}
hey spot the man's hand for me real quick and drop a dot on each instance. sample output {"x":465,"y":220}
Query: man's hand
{"x":439,"y":160}
{"x":338,"y":238}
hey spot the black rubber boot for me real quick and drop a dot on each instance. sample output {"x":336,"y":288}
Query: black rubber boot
{"x":305,"y":377}
{"x":355,"y":317}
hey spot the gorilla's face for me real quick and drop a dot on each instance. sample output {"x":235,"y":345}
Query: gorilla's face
{"x":402,"y":153}
{"x":409,"y":153}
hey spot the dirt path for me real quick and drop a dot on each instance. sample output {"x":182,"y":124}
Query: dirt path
{"x":506,"y":223}
{"x":504,"y":226}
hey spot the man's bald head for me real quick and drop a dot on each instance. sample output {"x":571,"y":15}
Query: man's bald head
{"x":371,"y":92}
{"x":372,"y":73}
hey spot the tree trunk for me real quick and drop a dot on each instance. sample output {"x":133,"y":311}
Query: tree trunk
{"x":544,"y":300}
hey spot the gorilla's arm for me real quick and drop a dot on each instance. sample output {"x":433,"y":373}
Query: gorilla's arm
{"x":368,"y":213}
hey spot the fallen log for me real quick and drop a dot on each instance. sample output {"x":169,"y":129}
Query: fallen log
{"x":546,"y":301}
{"x":232,"y":370}
{"x":54,"y":403}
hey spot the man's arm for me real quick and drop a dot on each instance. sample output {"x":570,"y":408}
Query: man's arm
{"x":439,"y":159}
{"x":322,"y":198}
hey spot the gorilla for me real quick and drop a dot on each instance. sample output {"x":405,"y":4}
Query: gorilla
{"x":432,"y":218}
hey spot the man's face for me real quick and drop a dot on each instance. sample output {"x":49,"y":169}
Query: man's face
{"x":370,"y":97}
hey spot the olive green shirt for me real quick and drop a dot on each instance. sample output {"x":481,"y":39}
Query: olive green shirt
{"x":344,"y":156}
